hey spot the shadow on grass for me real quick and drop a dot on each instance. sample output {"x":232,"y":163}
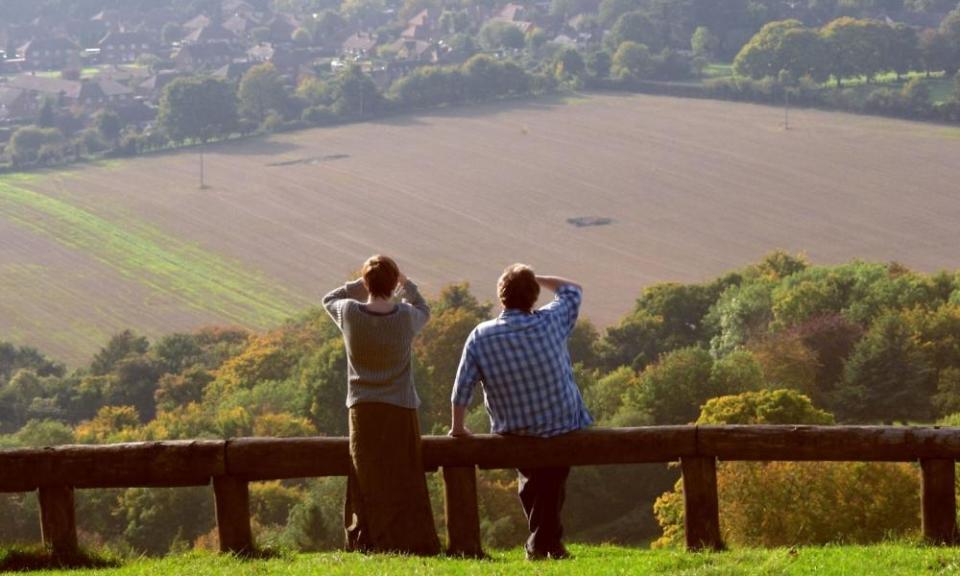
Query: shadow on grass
{"x":35,"y":559}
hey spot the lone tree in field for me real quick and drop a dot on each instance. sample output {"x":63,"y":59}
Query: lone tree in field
{"x":198,"y":109}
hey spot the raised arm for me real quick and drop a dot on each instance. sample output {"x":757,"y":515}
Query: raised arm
{"x":410,"y":294}
{"x":552,"y":283}
{"x":565,"y":308}
{"x":334,"y":300}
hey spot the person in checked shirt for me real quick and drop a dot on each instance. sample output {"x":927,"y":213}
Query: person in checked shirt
{"x":522,"y":362}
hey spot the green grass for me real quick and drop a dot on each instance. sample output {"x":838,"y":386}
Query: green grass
{"x":36,"y":559}
{"x":146,"y":255}
{"x":942,"y":89}
{"x":887,"y":559}
{"x":718,"y":70}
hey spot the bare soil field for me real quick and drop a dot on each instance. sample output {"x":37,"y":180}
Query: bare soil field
{"x":617,"y":191}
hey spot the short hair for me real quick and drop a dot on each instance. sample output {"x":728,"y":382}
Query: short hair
{"x":380,"y":275}
{"x":518,"y":288}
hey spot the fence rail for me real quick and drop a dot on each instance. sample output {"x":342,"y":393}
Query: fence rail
{"x":231,"y":464}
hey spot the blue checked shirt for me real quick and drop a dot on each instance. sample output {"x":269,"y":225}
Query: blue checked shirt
{"x":524,"y":366}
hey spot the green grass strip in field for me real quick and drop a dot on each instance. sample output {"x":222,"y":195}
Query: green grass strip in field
{"x":143,"y":254}
{"x":887,"y":560}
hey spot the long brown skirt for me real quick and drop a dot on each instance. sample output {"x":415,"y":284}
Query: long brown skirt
{"x":387,"y":508}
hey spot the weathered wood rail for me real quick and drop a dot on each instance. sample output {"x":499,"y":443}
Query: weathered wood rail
{"x":230,"y":465}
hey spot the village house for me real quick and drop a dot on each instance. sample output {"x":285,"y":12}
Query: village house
{"x":240,"y":25}
{"x":210,"y":33}
{"x":88,"y":94}
{"x":49,"y":53}
{"x":420,"y":27}
{"x":233,"y":72}
{"x":415,"y":51}
{"x":261,"y":52}
{"x":196,"y":23}
{"x":119,"y":47}
{"x":240,"y":7}
{"x":359,"y":45}
{"x":289,"y":60}
{"x":514,"y":14}
{"x":282,"y":27}
{"x":196,"y":57}
{"x":152,"y":87}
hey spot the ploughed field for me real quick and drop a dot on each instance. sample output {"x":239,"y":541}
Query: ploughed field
{"x":616,"y":191}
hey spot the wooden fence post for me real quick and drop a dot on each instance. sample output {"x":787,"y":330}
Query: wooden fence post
{"x":701,"y":513}
{"x":58,"y":520}
{"x":939,"y":501}
{"x":462,"y":512}
{"x":233,"y":514}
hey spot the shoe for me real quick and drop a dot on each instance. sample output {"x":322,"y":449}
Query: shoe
{"x":559,"y":553}
{"x":536,"y":555}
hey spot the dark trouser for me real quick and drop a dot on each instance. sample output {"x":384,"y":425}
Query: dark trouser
{"x":542,"y":491}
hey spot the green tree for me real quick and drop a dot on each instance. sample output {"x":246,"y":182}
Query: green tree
{"x":632,"y":61}
{"x":599,"y":63}
{"x":582,"y":344}
{"x":604,"y":398}
{"x":783,"y":45}
{"x":124,"y":345}
{"x":198,"y":109}
{"x":27,"y":143}
{"x":934,"y":51}
{"x":901,"y":52}
{"x":950,"y":30}
{"x":703,"y":42}
{"x":354,"y":94}
{"x":160,"y":519}
{"x":569,"y":65}
{"x":738,"y":371}
{"x":916,"y":94}
{"x":495,"y":35}
{"x":440,"y":346}
{"x":109,"y":125}
{"x":633,"y":342}
{"x":636,"y":27}
{"x":326,"y":25}
{"x":741,"y":313}
{"x":856,"y":48}
{"x":40,"y":433}
{"x":611,"y":10}
{"x":47,"y":115}
{"x":261,"y":91}
{"x":134,"y":383}
{"x":673,"y":390}
{"x":428,"y":86}
{"x":888,"y":377}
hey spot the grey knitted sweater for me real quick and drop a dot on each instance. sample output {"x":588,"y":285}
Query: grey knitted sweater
{"x":378,"y":346}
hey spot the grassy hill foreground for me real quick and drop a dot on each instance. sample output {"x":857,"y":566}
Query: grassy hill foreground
{"x":886,"y":559}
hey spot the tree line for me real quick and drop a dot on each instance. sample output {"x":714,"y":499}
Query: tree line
{"x":850,"y":48}
{"x":780,"y":341}
{"x":198,"y":109}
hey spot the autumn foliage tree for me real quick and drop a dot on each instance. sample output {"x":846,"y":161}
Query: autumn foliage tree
{"x":794,"y":503}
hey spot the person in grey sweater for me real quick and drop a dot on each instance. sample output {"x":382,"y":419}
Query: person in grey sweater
{"x":387,"y":508}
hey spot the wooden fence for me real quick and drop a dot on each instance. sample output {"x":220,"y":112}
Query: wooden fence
{"x":230,"y":465}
